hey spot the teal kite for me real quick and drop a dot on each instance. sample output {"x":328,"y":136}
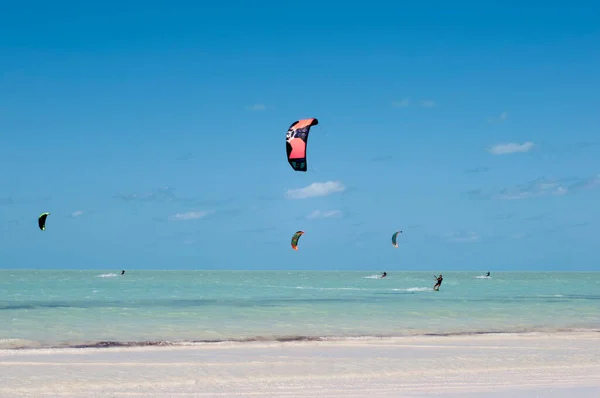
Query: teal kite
{"x":394,"y":243}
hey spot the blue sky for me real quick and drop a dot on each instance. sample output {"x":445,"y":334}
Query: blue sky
{"x":154,"y":134}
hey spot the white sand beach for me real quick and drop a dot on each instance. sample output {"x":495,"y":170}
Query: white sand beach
{"x":527,"y":365}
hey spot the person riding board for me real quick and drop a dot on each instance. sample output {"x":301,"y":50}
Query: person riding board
{"x":438,"y":283}
{"x":384,"y":274}
{"x":488,"y":274}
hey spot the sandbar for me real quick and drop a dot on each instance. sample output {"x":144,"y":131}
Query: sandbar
{"x":489,"y":365}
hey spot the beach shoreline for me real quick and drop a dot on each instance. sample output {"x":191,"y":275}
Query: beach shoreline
{"x":19,"y":344}
{"x":521,"y":365}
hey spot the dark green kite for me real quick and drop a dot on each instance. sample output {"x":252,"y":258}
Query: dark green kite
{"x":42,"y":221}
{"x":295,"y":238}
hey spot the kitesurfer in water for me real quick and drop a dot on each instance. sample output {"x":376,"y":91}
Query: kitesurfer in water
{"x":384,"y":274}
{"x":488,"y":274}
{"x":122,"y":271}
{"x":438,"y":283}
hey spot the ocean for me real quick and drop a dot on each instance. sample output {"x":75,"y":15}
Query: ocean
{"x":94,"y":308}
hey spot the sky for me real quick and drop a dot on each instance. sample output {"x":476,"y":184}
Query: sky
{"x":154,"y":135}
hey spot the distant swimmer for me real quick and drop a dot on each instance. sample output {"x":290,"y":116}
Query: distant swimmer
{"x":384,"y":274}
{"x":122,"y":271}
{"x":488,"y":274}
{"x":436,"y":287}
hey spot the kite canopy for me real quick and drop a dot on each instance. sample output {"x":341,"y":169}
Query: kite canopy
{"x":296,"y":141}
{"x":42,"y":220}
{"x":394,"y":238}
{"x":295,"y":238}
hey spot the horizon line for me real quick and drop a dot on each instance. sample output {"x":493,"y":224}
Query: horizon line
{"x":275,"y":270}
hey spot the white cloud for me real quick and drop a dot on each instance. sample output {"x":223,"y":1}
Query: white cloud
{"x":332,"y":213}
{"x":401,"y":104}
{"x":540,"y":187}
{"x":503,"y":116}
{"x":77,"y":213}
{"x":592,"y":182}
{"x":533,"y":189}
{"x":560,"y":191}
{"x":158,"y":195}
{"x":191,"y":215}
{"x":324,"y":214}
{"x":316,"y":189}
{"x":505,"y":149}
{"x":257,"y":107}
{"x":465,"y":237}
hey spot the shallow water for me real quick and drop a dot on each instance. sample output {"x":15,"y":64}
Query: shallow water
{"x":72,"y":308}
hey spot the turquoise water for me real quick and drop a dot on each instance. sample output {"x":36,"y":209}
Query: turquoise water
{"x":73,"y":308}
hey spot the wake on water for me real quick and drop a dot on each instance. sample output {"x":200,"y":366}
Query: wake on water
{"x":106,"y":275}
{"x":483,"y":277}
{"x":410,"y":289}
{"x":414,"y":289}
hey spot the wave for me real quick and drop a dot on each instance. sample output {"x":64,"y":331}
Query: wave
{"x":8,"y":344}
{"x":483,"y":277}
{"x":378,"y":276}
{"x":19,"y":344}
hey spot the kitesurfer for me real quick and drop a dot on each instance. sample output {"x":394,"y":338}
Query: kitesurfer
{"x":384,"y":274}
{"x":488,"y":274}
{"x":438,"y":283}
{"x":122,"y":271}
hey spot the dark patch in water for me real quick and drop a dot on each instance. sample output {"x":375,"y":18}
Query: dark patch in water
{"x":476,"y":333}
{"x":172,"y":303}
{"x":33,"y":306}
{"x":109,"y":344}
{"x":292,"y":338}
